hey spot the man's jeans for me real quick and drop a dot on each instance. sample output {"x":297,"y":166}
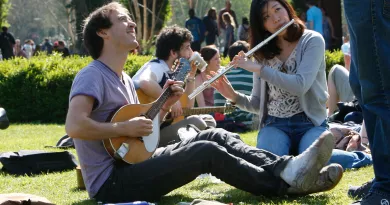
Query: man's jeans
{"x":214,"y":151}
{"x":293,"y":135}
{"x":369,"y":27}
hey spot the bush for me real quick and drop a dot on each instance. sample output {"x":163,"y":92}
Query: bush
{"x":333,"y":58}
{"x":37,"y":90}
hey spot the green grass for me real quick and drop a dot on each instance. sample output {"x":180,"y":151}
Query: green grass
{"x":61,"y":188}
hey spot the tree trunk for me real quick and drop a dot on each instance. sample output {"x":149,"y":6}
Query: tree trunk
{"x":139,"y":22}
{"x":153,"y":20}
{"x":145,"y":33}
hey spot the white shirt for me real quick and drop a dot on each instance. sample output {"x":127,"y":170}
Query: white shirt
{"x":156,"y":66}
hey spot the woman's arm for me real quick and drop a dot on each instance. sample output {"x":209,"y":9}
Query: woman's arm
{"x":250,"y":103}
{"x":299,"y":83}
{"x":199,"y":98}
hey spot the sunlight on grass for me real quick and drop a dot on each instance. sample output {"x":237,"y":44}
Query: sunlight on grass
{"x":61,"y":188}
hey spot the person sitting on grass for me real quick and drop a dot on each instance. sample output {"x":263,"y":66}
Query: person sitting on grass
{"x":102,"y":87}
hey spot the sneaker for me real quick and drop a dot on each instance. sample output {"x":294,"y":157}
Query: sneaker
{"x":374,"y":198}
{"x":328,"y":178}
{"x":302,"y":171}
{"x":360,"y":191}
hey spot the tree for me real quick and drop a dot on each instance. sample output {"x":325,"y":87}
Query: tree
{"x":82,"y":9}
{"x":150,"y":16}
{"x":41,"y":19}
{"x":4,"y":7}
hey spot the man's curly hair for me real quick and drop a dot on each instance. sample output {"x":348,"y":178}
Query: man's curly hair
{"x":171,"y":38}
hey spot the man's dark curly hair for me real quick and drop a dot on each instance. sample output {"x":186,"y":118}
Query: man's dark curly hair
{"x":171,"y":38}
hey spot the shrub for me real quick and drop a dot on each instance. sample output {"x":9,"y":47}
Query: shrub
{"x":37,"y":90}
{"x":333,"y":58}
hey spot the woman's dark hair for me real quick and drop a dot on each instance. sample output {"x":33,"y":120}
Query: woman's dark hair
{"x":208,"y":52}
{"x":211,"y":11}
{"x":245,"y":21}
{"x":258,"y":32}
{"x":96,"y":21}
{"x":171,"y":38}
{"x":236,"y":47}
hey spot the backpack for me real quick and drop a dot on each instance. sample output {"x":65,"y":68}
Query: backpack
{"x":30,"y":162}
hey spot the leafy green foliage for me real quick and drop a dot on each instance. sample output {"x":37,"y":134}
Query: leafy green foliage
{"x":37,"y":90}
{"x":333,"y":58}
{"x":4,"y":8}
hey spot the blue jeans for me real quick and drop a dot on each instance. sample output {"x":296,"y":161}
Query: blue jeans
{"x":292,"y":136}
{"x":286,"y":136}
{"x":349,"y":160}
{"x":369,"y":27}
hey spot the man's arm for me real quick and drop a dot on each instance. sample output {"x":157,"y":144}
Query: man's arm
{"x":311,"y":25}
{"x":310,"y":20}
{"x":80,"y":125}
{"x":149,"y":85}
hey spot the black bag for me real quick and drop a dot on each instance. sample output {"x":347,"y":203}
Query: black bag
{"x":344,"y":109}
{"x":35,"y":162}
{"x":4,"y":122}
{"x":65,"y":142}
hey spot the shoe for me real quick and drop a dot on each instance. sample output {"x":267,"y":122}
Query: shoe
{"x":374,"y":198}
{"x":360,"y":191}
{"x":328,"y":178}
{"x":301,"y":172}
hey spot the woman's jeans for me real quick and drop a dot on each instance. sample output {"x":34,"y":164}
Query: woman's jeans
{"x":292,"y":136}
{"x":369,"y":27}
{"x":286,"y":136}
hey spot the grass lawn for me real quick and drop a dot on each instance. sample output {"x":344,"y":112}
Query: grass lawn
{"x":61,"y":188}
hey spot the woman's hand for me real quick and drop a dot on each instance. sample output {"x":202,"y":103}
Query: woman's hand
{"x":242,"y":62}
{"x":223,"y":86}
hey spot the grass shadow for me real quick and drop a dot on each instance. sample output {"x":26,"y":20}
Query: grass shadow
{"x":236,"y":196}
{"x":76,"y":189}
{"x":85,"y":202}
{"x":174,"y":199}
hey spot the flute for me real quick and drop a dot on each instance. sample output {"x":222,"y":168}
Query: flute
{"x":225,"y":70}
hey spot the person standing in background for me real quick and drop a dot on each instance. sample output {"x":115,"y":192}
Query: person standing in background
{"x":221,"y":23}
{"x":7,"y":42}
{"x":229,"y":31}
{"x":196,"y":26}
{"x":211,"y":27}
{"x":314,"y":17}
{"x":369,"y":29}
{"x":243,"y":30}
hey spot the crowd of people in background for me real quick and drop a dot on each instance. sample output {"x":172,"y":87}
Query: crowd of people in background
{"x":11,"y":47}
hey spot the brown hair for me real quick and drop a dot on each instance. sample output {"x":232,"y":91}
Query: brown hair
{"x":208,"y":52}
{"x":96,"y":21}
{"x":258,"y":32}
{"x":227,"y":18}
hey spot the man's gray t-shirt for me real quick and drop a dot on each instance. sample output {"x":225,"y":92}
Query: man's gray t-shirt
{"x":110,"y":93}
